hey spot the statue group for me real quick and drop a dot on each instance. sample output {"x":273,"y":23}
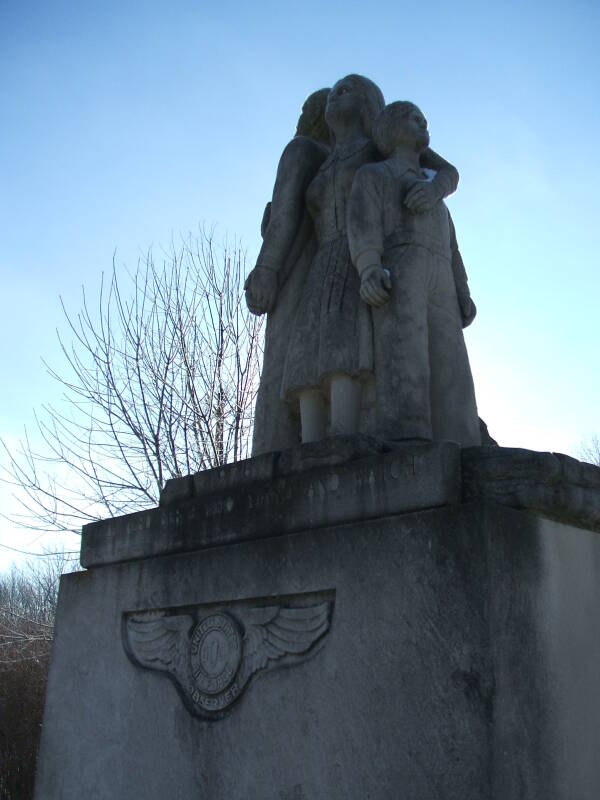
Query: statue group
{"x":362,"y":281}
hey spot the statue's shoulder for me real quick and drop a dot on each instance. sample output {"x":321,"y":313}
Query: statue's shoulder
{"x":375,"y":172}
{"x":303,"y":150}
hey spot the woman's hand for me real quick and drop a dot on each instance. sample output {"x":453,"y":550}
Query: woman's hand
{"x":421,"y":197}
{"x":261,"y":290}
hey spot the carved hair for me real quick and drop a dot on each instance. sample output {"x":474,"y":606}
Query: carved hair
{"x":312,"y":120}
{"x":383,"y":127}
{"x":372,"y":97}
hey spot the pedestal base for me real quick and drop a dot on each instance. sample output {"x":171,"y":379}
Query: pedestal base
{"x":457,"y":656}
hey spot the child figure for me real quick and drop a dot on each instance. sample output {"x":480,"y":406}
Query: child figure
{"x":412,"y":276}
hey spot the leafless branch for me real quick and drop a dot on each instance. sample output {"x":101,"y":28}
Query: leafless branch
{"x":158,"y":380}
{"x":590,"y":450}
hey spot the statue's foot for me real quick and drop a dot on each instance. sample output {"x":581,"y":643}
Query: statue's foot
{"x":330,"y":451}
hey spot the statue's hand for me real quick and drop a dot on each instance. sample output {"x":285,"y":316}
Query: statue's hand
{"x":421,"y":197}
{"x":375,"y":286}
{"x":468,"y":309}
{"x":261,"y":290}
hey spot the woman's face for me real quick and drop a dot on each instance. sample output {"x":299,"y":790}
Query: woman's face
{"x":311,"y":119}
{"x":344,"y":102}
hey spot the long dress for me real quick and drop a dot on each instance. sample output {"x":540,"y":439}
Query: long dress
{"x":289,"y":246}
{"x":332,"y":332}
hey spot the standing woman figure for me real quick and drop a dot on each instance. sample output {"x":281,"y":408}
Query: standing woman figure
{"x":275,"y":285}
{"x":330,"y":348}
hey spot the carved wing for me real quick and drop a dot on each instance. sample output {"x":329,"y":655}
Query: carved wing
{"x":157,"y":641}
{"x":273,"y":632}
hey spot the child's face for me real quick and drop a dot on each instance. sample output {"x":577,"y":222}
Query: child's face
{"x":410,"y":130}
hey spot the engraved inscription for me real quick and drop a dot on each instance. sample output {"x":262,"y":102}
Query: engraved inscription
{"x":217,"y":702}
{"x":295,"y":793}
{"x":215,"y":651}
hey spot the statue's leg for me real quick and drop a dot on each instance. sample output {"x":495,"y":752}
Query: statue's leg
{"x":345,"y":393}
{"x":313,"y":415}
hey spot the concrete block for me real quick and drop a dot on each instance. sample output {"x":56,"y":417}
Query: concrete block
{"x":249,"y":501}
{"x":460,"y":660}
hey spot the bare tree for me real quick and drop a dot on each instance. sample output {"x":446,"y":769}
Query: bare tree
{"x":28,"y":606}
{"x":590,"y":450}
{"x":27,"y":609}
{"x":159,"y":381}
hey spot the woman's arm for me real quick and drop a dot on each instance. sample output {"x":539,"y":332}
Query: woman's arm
{"x":298,"y":165}
{"x":446,"y":179}
{"x":423,"y":195}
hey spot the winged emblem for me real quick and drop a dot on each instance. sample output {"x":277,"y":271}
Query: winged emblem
{"x":212,"y":655}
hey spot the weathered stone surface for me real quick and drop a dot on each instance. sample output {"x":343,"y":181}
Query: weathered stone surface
{"x":323,"y":483}
{"x":212,"y":653}
{"x":336,"y":337}
{"x":414,"y":280}
{"x":239,"y":502}
{"x":329,"y":452}
{"x":461,"y":663}
{"x":552,"y":484}
{"x":227,"y":478}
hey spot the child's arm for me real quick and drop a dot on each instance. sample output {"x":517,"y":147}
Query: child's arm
{"x":468,"y":309}
{"x":366,"y":234}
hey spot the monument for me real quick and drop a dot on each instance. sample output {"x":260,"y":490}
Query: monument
{"x":381,"y":603}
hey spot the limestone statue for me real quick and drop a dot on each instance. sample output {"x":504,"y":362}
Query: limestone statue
{"x":276,"y":283}
{"x":412,"y":276}
{"x":321,"y":357}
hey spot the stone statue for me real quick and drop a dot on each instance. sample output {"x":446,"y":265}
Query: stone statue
{"x":412,"y":276}
{"x":276,"y":283}
{"x":330,"y":347}
{"x":319,"y":374}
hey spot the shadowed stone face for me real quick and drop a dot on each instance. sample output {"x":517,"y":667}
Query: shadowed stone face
{"x":326,"y":369}
{"x":401,"y":126}
{"x":343,"y":102}
{"x":312,"y":119}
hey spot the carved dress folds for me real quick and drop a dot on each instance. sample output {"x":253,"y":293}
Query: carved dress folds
{"x":332,"y":333}
{"x":289,"y":247}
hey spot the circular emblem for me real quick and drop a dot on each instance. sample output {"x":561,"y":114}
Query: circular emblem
{"x":216,"y":652}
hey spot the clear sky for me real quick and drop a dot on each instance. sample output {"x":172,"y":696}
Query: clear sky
{"x":124,"y":124}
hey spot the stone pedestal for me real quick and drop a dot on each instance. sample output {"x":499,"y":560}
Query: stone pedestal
{"x":342,"y":624}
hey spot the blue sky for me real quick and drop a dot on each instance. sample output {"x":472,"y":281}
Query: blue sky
{"x":126,"y":124}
